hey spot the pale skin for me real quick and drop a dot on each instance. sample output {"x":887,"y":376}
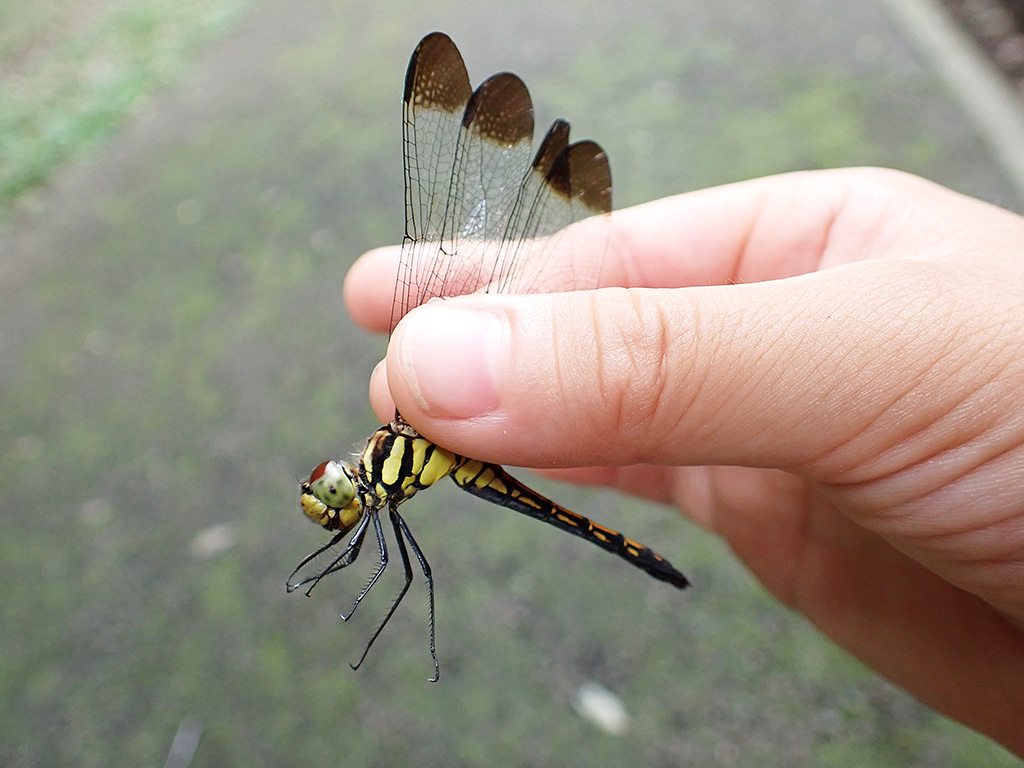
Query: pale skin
{"x":826,"y":369}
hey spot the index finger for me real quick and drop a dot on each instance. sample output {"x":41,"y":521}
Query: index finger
{"x":763,"y":229}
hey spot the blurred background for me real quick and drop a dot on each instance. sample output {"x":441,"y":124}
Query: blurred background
{"x":182,"y":188}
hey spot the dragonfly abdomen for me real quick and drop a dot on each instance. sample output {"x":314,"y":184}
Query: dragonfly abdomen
{"x":492,"y":483}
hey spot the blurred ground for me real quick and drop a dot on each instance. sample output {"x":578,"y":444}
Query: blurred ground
{"x":176,"y":355}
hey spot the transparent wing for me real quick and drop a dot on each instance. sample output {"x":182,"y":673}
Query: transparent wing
{"x":557,"y":237}
{"x":480,"y":215}
{"x":437,"y":91}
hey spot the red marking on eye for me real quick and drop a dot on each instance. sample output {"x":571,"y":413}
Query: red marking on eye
{"x":318,"y":473}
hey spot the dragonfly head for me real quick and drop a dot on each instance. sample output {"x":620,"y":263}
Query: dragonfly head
{"x":328,"y":498}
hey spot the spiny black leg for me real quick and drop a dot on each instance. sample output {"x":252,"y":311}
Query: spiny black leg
{"x":395,"y":521}
{"x":382,"y":547}
{"x":344,"y":559}
{"x":430,"y":589}
{"x":351,"y":552}
{"x":312,"y":555}
{"x":340,"y":561}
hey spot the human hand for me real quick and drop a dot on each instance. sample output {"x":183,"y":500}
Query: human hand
{"x":826,"y":369}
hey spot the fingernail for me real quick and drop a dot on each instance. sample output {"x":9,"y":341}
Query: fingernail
{"x":451,"y":359}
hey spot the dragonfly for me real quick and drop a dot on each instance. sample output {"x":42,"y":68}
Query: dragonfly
{"x":483,"y":213}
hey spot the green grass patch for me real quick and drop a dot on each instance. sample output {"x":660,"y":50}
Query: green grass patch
{"x":71,"y":72}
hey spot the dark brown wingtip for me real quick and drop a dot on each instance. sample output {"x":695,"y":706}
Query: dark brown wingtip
{"x":500,"y":110}
{"x":581,"y":172}
{"x":437,"y":77}
{"x":591,"y":176}
{"x":555,"y":142}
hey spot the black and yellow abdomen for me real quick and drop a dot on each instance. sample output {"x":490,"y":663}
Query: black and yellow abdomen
{"x":493,"y":483}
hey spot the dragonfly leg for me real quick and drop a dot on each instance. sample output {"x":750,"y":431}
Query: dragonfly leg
{"x":311,"y":556}
{"x":401,"y":532}
{"x":345,"y":558}
{"x":382,"y":548}
{"x":425,"y":566}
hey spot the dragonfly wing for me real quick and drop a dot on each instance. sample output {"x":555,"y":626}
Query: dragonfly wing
{"x":463,"y":172}
{"x":437,"y":90}
{"x":541,"y":252}
{"x":480,"y":215}
{"x":493,"y":158}
{"x":466,"y":153}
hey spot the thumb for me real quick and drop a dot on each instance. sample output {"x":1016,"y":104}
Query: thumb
{"x":784,"y":373}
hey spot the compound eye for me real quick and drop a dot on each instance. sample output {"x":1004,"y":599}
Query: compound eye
{"x":329,"y":483}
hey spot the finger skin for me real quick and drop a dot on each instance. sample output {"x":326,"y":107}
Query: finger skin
{"x":370,"y":288}
{"x":757,"y":230}
{"x":825,"y":369}
{"x":713,"y":225}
